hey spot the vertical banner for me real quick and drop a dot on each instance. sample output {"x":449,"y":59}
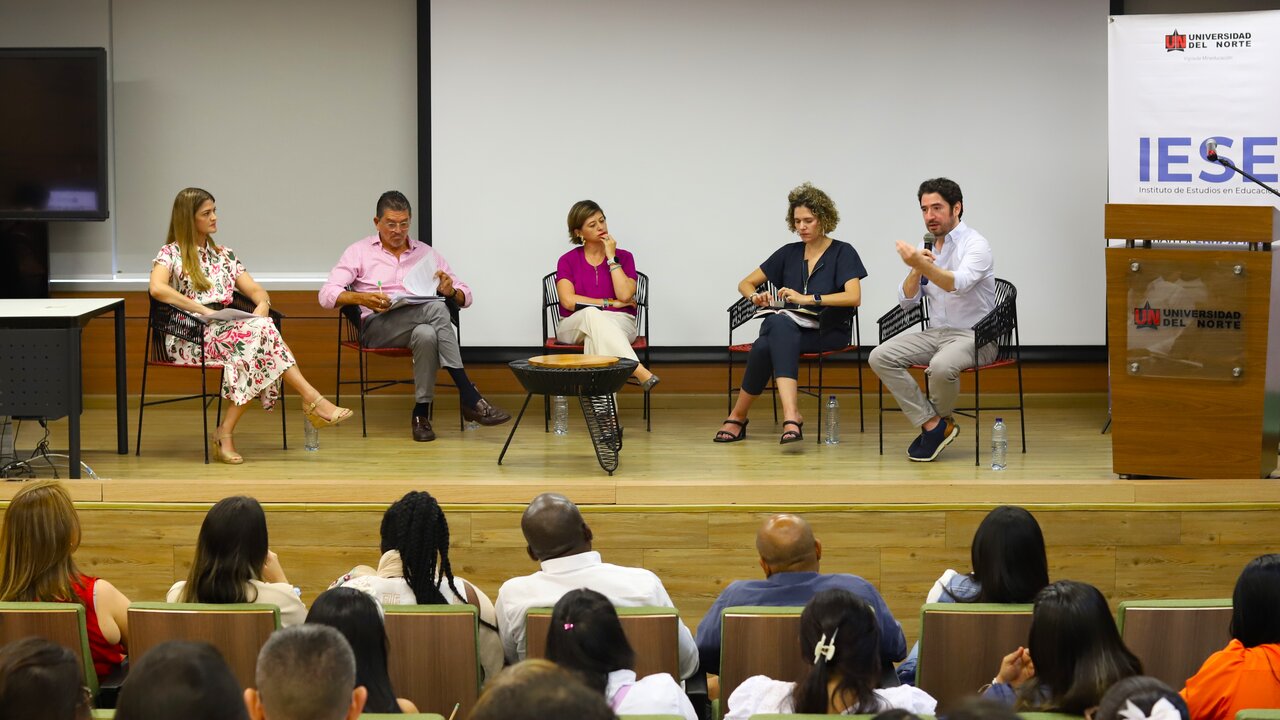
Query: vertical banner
{"x":1177,"y":81}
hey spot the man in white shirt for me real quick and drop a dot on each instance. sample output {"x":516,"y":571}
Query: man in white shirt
{"x":560,"y":540}
{"x":958,"y":277}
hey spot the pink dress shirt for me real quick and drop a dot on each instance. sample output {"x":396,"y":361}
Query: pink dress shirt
{"x":366,"y":262}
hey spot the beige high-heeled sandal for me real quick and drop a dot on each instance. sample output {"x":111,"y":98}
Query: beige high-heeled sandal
{"x":221,"y":455}
{"x":339,"y":414}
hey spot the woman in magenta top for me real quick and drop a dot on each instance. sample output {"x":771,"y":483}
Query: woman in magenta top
{"x":596,"y":283}
{"x":41,"y":531}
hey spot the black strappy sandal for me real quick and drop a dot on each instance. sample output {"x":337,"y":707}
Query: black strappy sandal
{"x":723,"y":436}
{"x":790,"y":436}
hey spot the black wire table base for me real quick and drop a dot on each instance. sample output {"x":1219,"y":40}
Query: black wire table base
{"x":595,"y":388}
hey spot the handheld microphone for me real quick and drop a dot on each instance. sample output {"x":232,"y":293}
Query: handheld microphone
{"x":928,"y":245}
{"x":1211,"y":150}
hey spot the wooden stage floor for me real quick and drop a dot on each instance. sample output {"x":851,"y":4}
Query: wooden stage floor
{"x":1068,"y":461}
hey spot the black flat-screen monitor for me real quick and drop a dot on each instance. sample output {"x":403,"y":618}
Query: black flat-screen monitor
{"x":53,"y":133}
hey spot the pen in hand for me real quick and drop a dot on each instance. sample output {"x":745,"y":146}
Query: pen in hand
{"x":455,"y":710}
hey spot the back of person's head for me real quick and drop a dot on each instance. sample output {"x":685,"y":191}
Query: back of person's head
{"x":537,"y":690}
{"x":1077,"y":651}
{"x":586,"y":637}
{"x":41,"y":530}
{"x":1255,"y":604}
{"x":179,"y":679}
{"x":980,"y":708}
{"x":305,"y":672}
{"x":840,"y":638}
{"x":41,"y":681}
{"x":1008,"y":557}
{"x":359,"y":618}
{"x":786,"y":544}
{"x":1142,"y":696}
{"x":230,"y":551}
{"x":896,"y":714}
{"x":553,"y":527}
{"x":415,"y":527}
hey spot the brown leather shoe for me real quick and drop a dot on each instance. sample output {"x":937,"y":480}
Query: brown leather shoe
{"x":422,"y":431}
{"x":485,"y":414}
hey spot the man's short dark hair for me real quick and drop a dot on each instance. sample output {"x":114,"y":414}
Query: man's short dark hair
{"x":537,"y":689}
{"x":393,"y":200}
{"x":306,"y":672}
{"x":181,"y":679}
{"x":948,"y":189}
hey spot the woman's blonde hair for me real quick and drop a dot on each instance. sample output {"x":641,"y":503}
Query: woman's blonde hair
{"x":579,"y":214}
{"x":182,"y":230}
{"x":41,"y":530}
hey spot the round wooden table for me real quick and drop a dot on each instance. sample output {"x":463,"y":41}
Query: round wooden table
{"x":593,"y":379}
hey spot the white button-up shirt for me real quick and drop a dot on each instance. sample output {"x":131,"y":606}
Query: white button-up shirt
{"x":967,"y":254}
{"x":624,"y":586}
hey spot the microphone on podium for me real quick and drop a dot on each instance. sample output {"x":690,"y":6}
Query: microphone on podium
{"x":928,"y":245}
{"x":1211,"y":154}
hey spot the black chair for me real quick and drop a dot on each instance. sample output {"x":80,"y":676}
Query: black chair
{"x":551,"y":323}
{"x":349,"y":324}
{"x":744,"y":310}
{"x":165,"y":320}
{"x":1000,"y":326}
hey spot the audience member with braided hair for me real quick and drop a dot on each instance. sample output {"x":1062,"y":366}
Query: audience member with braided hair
{"x":840,"y":638}
{"x":1074,"y":654}
{"x":1246,"y":673}
{"x":586,"y":637}
{"x":414,"y":570}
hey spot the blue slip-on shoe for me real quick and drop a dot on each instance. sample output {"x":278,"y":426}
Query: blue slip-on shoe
{"x":933,"y":441}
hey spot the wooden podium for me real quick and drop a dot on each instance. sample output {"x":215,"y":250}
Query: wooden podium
{"x":1194,"y":340}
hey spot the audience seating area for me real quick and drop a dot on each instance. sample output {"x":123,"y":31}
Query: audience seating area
{"x":985,"y":632}
{"x":237,"y":631}
{"x":652,"y":632}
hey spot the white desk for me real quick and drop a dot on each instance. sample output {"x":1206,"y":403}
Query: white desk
{"x":40,"y":363}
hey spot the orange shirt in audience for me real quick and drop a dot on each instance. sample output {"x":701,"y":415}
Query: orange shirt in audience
{"x":1233,"y":679}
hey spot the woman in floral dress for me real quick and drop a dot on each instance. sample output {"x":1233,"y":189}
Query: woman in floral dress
{"x":192,"y":273}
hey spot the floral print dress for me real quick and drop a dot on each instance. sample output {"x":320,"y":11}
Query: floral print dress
{"x":251,"y":352}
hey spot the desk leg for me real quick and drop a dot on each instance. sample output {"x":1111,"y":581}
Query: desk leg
{"x":601,"y":414}
{"x":512,"y":434}
{"x":74,"y":402}
{"x":122,"y":387}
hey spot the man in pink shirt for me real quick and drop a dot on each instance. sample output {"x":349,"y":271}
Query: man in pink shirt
{"x":370,"y":272}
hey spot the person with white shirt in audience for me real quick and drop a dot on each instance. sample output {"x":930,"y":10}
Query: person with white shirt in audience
{"x":414,"y":570}
{"x":234,"y":564}
{"x":840,"y":639}
{"x":958,"y":277}
{"x":586,"y":638}
{"x":560,"y":540}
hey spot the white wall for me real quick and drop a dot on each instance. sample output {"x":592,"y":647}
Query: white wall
{"x":690,"y":121}
{"x":295,"y":115}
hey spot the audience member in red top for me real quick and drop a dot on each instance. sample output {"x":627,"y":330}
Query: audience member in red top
{"x":41,"y":532}
{"x":42,"y":681}
{"x":1246,"y":673}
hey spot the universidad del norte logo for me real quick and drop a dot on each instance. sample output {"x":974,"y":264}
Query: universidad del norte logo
{"x":1177,"y":42}
{"x":1149,"y":318}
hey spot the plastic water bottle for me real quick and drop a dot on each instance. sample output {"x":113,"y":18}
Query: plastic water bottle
{"x":311,"y":436}
{"x":560,"y":415}
{"x":999,"y":445}
{"x":833,"y":422}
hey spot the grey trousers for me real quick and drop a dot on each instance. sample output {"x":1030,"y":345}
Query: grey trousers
{"x":946,"y":351}
{"x":427,"y":331}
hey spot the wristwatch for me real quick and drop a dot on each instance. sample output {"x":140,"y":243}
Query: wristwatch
{"x":817,"y":299}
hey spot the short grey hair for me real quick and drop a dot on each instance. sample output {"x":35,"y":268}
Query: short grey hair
{"x":306,"y":672}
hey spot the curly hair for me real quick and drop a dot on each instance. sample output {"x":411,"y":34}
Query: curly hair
{"x":818,"y":203}
{"x":416,"y":527}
